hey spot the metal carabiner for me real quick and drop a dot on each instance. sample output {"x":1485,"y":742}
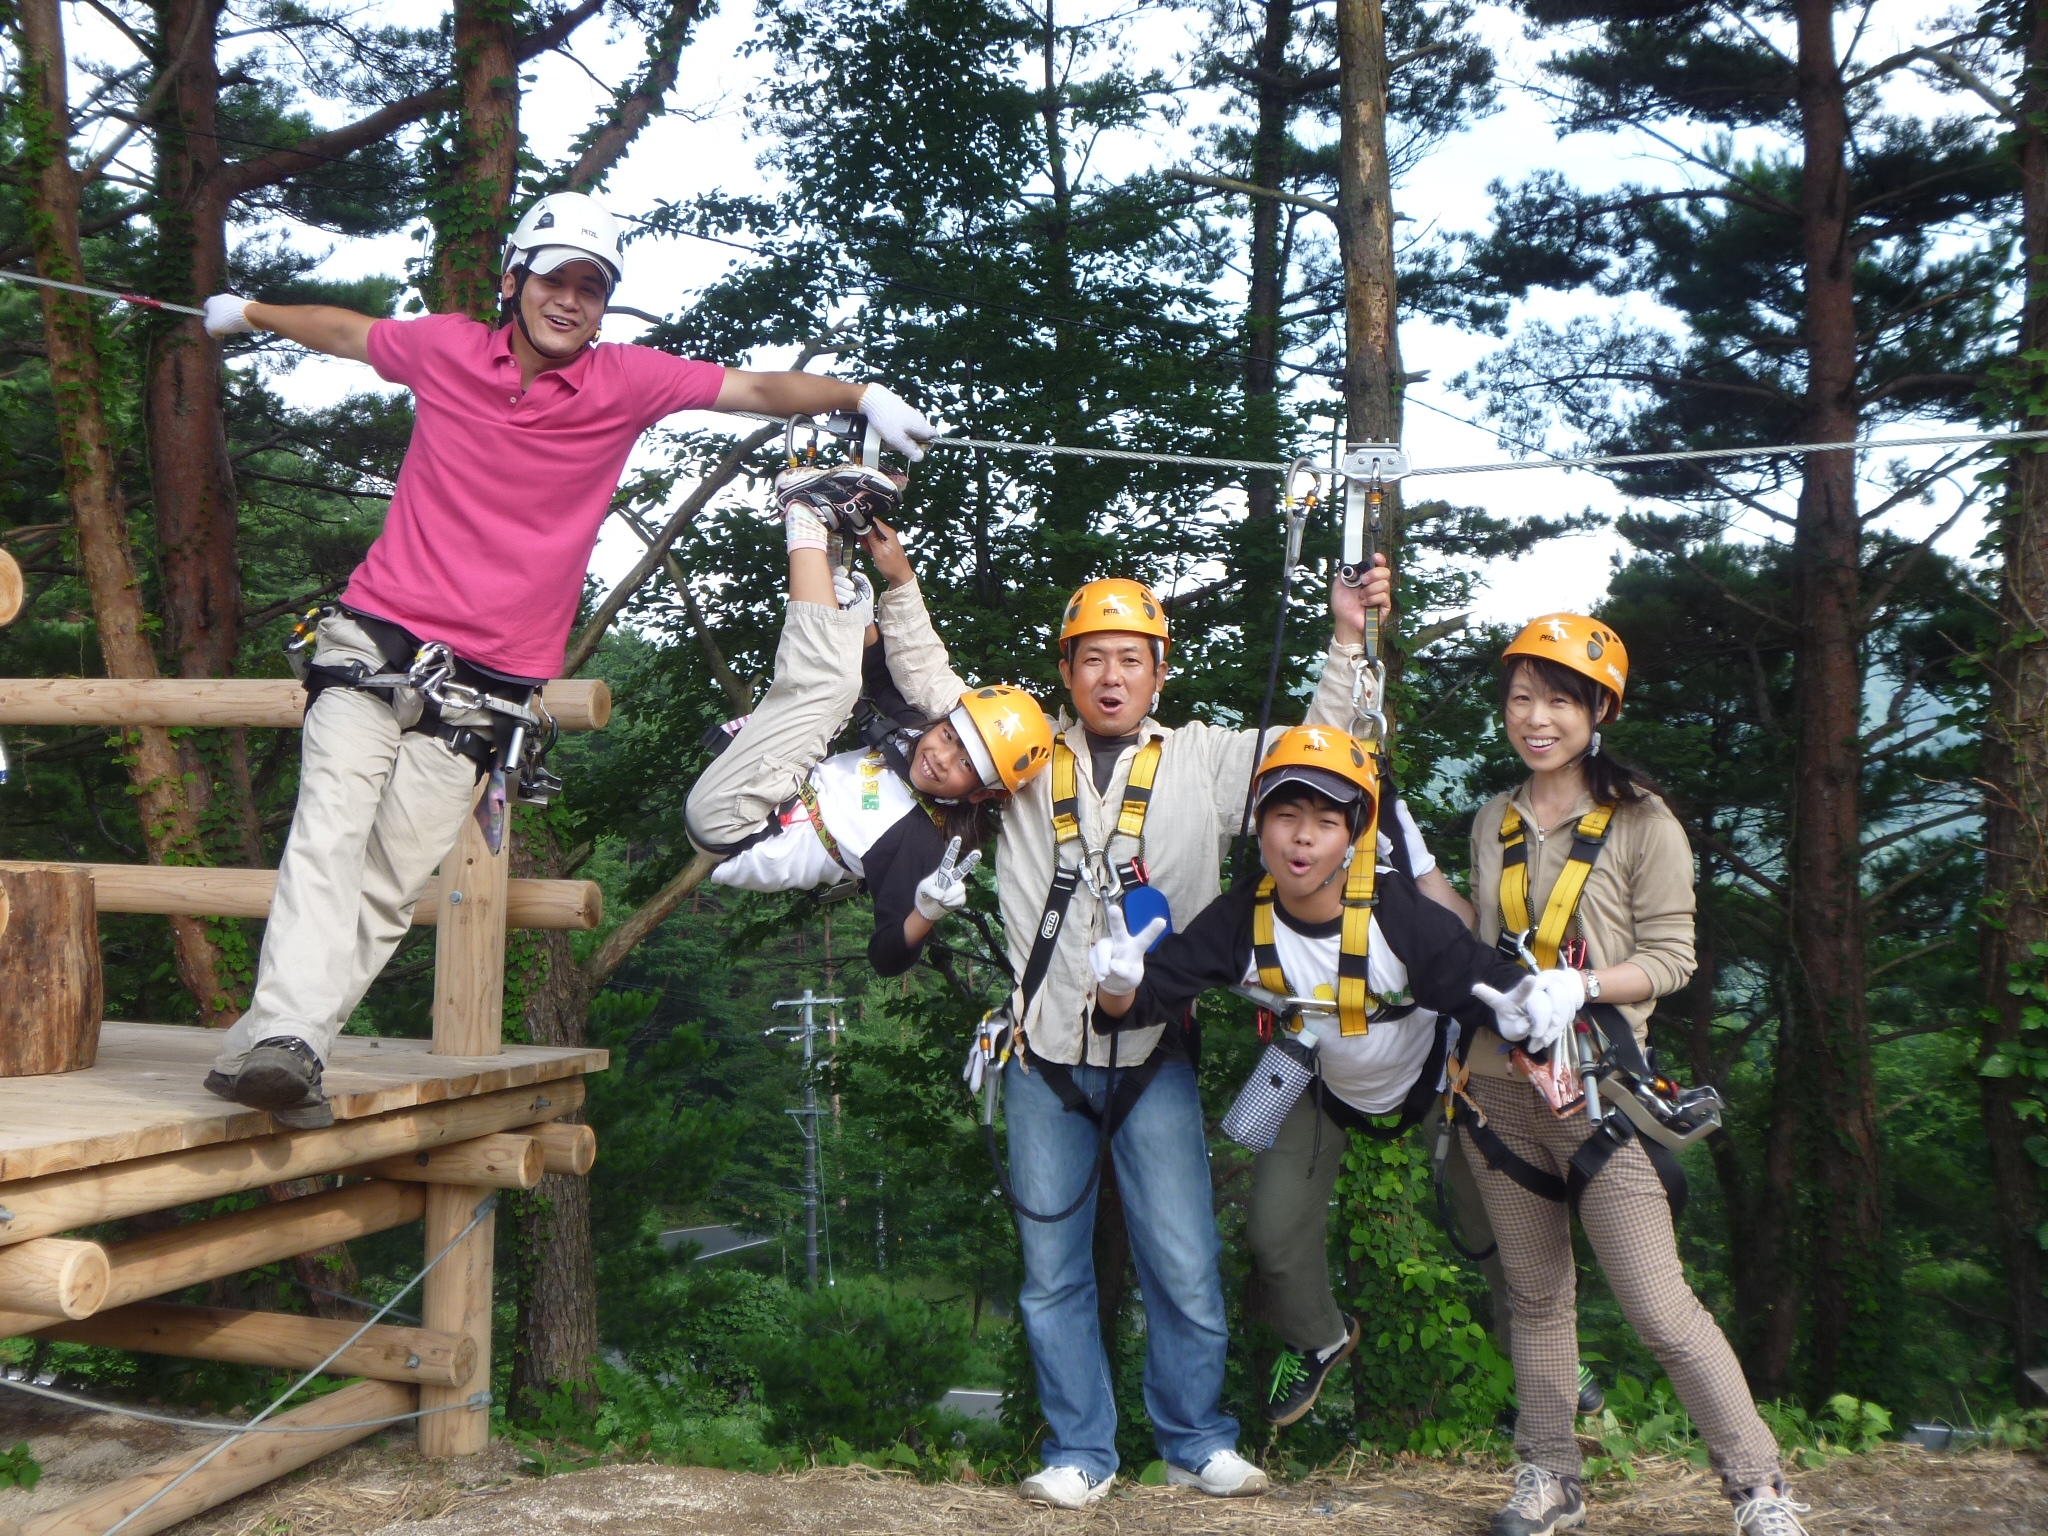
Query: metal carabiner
{"x":789,"y":439}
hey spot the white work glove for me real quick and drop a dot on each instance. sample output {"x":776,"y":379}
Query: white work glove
{"x":899,"y":423}
{"x":945,"y":888}
{"x":1119,"y":960}
{"x":982,"y":1053}
{"x":1540,"y":1008}
{"x":1419,"y":857}
{"x":227,"y":315}
{"x":852,"y":588}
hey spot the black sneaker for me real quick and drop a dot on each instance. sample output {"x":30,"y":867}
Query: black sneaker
{"x":1298,"y":1378}
{"x":1592,"y":1397}
{"x":721,"y":735}
{"x":1542,"y":1503}
{"x":846,"y":498}
{"x":282,"y":1076}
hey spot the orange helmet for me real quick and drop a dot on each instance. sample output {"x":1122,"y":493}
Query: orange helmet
{"x":1112,"y":604}
{"x":1333,"y":763}
{"x":1583,"y":645}
{"x":1005,"y":733}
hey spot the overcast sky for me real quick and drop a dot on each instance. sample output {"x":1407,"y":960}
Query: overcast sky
{"x":704,"y":145}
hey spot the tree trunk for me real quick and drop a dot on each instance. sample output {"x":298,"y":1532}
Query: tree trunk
{"x":1275,"y":108}
{"x":2014,"y":764}
{"x":170,"y":826}
{"x":190,"y":477}
{"x":471,"y":225}
{"x":1849,"y":1340}
{"x":555,"y":1271}
{"x":1365,"y":226}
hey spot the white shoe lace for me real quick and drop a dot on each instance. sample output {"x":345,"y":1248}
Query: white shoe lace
{"x":1532,"y":1492}
{"x":1770,"y":1514}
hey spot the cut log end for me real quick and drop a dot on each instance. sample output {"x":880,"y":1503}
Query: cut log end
{"x":11,"y":589}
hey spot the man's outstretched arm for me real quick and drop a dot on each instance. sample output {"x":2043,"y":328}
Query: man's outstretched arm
{"x":319,"y":327}
{"x":901,"y":425}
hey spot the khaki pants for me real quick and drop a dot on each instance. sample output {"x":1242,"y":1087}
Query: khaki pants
{"x":378,"y":809}
{"x":1288,"y":1223}
{"x":817,"y":683}
{"x":1628,"y":1221}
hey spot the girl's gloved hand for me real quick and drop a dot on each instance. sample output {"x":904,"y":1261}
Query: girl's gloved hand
{"x":1119,"y":960}
{"x":945,"y":888}
{"x":1539,"y":1009}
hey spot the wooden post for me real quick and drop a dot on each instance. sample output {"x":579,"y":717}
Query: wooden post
{"x":456,"y":1298}
{"x":249,"y":1463}
{"x":50,"y":990}
{"x":469,"y":951}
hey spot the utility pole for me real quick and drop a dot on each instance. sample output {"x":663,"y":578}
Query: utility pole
{"x":807,"y":1117}
{"x":1373,"y":378}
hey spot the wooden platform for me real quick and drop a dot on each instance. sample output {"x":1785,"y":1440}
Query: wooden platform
{"x":144,"y":1096}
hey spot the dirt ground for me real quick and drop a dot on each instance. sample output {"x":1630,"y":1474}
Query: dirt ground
{"x":387,"y":1490}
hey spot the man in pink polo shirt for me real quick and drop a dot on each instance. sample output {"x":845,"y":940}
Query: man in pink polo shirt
{"x":520,"y":435}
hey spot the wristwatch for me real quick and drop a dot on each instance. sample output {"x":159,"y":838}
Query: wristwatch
{"x":1592,"y":980}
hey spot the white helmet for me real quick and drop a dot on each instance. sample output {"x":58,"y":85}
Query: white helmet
{"x":564,"y":227}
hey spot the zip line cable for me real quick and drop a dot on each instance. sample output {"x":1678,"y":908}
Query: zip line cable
{"x":1278,"y":466}
{"x":214,"y":1426}
{"x":484,"y":1208}
{"x":143,"y":300}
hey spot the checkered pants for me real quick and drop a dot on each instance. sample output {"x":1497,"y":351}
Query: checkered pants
{"x":1628,"y":1221}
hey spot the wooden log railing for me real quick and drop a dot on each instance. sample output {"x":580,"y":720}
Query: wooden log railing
{"x":200,"y":891}
{"x":276,"y":703}
{"x":472,"y":903}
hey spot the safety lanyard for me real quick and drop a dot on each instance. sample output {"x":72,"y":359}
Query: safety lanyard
{"x":1588,"y":838}
{"x":1356,"y":1006}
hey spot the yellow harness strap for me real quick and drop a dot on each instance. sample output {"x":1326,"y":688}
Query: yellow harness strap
{"x":1356,"y":1006}
{"x":809,"y":796}
{"x":1588,"y":838}
{"x":1066,"y":780}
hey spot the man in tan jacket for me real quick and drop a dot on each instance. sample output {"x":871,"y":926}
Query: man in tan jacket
{"x":1187,"y":806}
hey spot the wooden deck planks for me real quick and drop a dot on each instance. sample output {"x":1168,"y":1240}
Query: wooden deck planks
{"x":144,"y":1096}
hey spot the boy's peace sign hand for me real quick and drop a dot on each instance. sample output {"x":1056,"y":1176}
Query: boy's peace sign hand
{"x":1119,"y":960}
{"x":945,"y":888}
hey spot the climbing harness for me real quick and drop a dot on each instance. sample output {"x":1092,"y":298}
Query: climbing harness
{"x":1536,"y":946}
{"x":425,"y":686}
{"x":1605,"y":1057}
{"x":1001,"y":1032}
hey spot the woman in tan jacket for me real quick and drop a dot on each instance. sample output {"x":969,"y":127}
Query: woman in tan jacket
{"x":1584,"y":870}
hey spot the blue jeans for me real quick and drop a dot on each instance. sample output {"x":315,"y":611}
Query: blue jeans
{"x":1162,"y":1172}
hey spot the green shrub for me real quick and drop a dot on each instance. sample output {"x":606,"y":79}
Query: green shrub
{"x":862,"y":1363}
{"x":18,"y":1469}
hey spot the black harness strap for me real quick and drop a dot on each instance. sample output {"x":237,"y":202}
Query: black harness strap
{"x":1123,"y":1097}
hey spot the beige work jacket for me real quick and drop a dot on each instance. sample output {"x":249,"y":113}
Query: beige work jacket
{"x":1637,"y":905}
{"x":1197,"y":803}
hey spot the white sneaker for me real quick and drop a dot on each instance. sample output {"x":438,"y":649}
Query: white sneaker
{"x":1768,"y":1512}
{"x":1064,"y":1487}
{"x":1226,"y":1475}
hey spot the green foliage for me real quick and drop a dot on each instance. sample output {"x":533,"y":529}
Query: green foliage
{"x":1425,"y":1376}
{"x":18,"y":1469}
{"x":643,"y":1417}
{"x":861,"y":1361}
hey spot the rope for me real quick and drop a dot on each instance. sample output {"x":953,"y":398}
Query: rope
{"x":483,"y":1209}
{"x":216,"y":1427}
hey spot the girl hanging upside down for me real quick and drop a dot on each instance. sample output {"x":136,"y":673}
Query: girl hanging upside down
{"x":898,"y":815}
